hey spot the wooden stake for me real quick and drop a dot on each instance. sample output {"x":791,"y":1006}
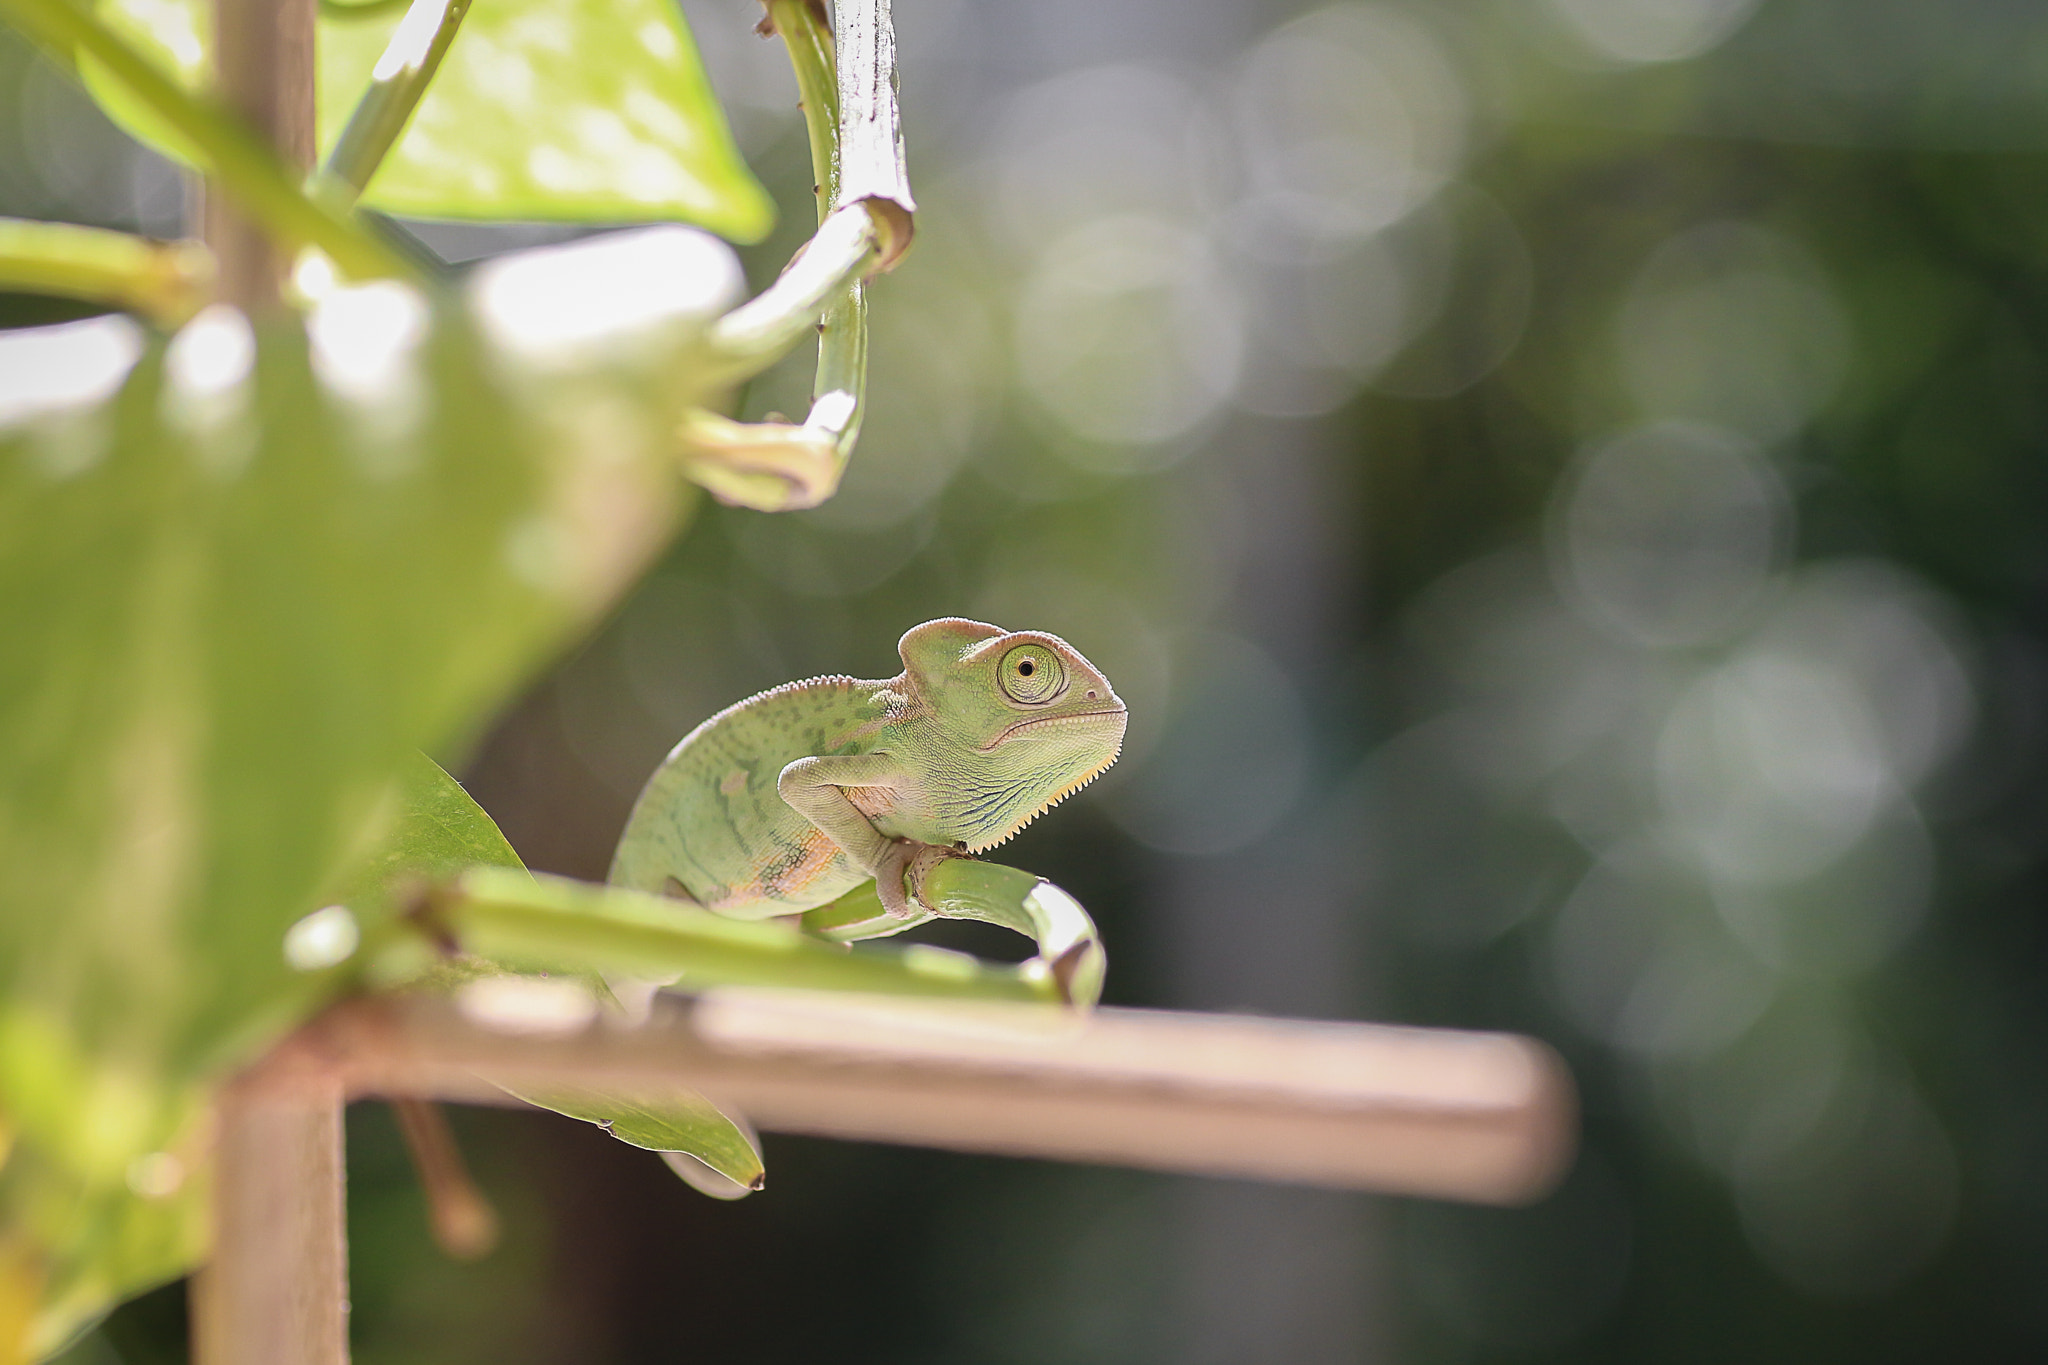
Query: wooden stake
{"x":263,"y":60}
{"x":276,"y":1289}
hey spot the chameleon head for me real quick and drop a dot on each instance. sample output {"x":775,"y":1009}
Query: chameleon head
{"x":1041,"y":716}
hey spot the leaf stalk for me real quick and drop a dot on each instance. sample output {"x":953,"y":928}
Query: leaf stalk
{"x":238,"y":160}
{"x":165,"y":282}
{"x":397,"y":84}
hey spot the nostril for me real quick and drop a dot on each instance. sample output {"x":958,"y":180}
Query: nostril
{"x":1091,"y":695}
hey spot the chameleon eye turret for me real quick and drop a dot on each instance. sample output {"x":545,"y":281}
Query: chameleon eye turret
{"x":786,"y":801}
{"x":1032,"y":675}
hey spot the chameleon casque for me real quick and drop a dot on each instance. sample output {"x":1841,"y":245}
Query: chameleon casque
{"x":786,"y":801}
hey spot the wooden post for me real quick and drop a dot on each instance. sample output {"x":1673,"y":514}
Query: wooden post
{"x":275,"y":1291}
{"x":263,"y":66}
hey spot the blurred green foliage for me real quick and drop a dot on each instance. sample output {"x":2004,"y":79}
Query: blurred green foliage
{"x":230,"y":586}
{"x":1558,"y":484}
{"x":253,"y":570}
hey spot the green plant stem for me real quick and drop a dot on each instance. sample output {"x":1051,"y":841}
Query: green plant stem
{"x":397,"y":84}
{"x":776,"y":466}
{"x":967,"y":888}
{"x":839,"y":394}
{"x":550,"y":923}
{"x":808,"y":37}
{"x":166,"y":282}
{"x":237,"y":159}
{"x":760,"y":331}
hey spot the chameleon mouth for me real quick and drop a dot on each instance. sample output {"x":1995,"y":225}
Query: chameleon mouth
{"x":1064,"y":792}
{"x":1073,"y":718}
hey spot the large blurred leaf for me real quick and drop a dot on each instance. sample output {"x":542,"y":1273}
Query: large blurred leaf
{"x":577,"y":110}
{"x":240,"y":594}
{"x":230,"y":629}
{"x":441,"y":830}
{"x":223,"y":646}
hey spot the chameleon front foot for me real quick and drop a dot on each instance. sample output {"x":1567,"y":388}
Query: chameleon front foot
{"x":905,"y":859}
{"x":864,"y":912}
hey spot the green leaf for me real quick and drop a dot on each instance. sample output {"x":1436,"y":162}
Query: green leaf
{"x":443,"y":830}
{"x":675,"y":1121}
{"x":560,"y":110}
{"x":243,"y":592}
{"x":443,"y":827}
{"x":227,"y":633}
{"x":440,"y":830}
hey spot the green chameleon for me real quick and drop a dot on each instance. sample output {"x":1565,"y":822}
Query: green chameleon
{"x":788,"y":800}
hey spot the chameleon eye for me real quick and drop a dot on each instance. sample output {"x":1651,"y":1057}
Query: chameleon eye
{"x":1032,"y":674}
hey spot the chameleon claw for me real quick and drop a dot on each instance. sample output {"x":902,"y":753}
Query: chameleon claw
{"x":895,"y":862}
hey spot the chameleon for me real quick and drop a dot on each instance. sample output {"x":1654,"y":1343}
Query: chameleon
{"x":785,"y":801}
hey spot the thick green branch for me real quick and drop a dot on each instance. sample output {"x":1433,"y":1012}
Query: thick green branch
{"x":166,"y":282}
{"x":547,"y":923}
{"x":949,"y":887}
{"x":236,"y":158}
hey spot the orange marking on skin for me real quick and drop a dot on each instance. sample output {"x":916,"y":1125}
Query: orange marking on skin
{"x":787,"y":879}
{"x":733,"y":782}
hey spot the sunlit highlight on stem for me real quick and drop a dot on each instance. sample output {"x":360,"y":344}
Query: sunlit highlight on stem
{"x":397,"y":85}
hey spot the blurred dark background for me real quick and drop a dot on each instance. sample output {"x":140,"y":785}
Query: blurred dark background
{"x":1560,"y":485}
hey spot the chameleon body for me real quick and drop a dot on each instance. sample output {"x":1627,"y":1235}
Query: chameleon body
{"x":786,"y":801}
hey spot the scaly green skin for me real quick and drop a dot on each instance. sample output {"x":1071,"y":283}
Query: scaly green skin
{"x":786,"y":801}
